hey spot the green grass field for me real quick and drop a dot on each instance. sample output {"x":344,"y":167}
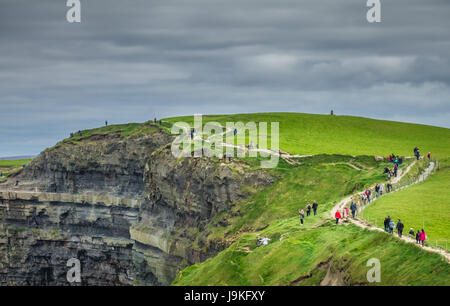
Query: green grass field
{"x":9,"y":167}
{"x":348,"y":248}
{"x":425,"y":204}
{"x":14,"y":163}
{"x":325,"y":134}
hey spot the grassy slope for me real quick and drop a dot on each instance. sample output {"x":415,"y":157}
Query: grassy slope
{"x":319,"y":134}
{"x":283,"y":262}
{"x":14,"y":163}
{"x":8,"y":167}
{"x":324,"y":178}
{"x":427,"y":202}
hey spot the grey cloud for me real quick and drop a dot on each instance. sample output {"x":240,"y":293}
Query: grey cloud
{"x":131,"y":61}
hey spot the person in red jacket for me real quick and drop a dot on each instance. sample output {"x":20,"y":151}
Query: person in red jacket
{"x":423,"y":236}
{"x":338,"y":216}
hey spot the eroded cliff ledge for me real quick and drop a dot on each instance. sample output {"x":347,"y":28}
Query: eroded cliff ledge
{"x":124,"y":206}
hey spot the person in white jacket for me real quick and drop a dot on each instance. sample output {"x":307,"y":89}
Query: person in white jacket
{"x":265,"y":240}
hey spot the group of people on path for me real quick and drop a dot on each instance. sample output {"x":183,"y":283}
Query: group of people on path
{"x":353,"y":209}
{"x":389,"y":226}
{"x":420,"y":236}
{"x":309,"y":207}
{"x":394,"y":171}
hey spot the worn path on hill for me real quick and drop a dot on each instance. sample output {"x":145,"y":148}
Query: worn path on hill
{"x":363,"y":224}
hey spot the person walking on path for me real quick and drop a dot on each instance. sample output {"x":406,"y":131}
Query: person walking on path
{"x":381,"y":189}
{"x":338,"y":216}
{"x":308,"y":210}
{"x":302,"y":216}
{"x":345,"y":212}
{"x":418,"y":237}
{"x":377,"y":190}
{"x":368,"y":196}
{"x":391,"y":226}
{"x":400,"y":227}
{"x":389,"y":187}
{"x":429,"y":156}
{"x":423,"y":236}
{"x":314,"y":206}
{"x":363,"y":198}
{"x":353,"y":208}
{"x":386,"y":224}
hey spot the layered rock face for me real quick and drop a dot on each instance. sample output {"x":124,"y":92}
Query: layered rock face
{"x":125,"y":207}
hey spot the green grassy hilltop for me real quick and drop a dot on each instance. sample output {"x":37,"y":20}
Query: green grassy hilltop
{"x":325,"y":134}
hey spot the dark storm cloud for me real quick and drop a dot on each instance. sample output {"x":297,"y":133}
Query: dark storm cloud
{"x":132,"y":60}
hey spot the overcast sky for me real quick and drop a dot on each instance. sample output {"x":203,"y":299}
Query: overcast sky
{"x":129,"y":61}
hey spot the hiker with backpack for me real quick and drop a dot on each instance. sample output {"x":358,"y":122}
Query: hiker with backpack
{"x":400,"y":227}
{"x":314,"y":206}
{"x":353,"y":208}
{"x":308,"y":210}
{"x":302,"y":216}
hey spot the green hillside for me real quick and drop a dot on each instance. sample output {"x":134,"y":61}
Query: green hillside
{"x":325,"y":134}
